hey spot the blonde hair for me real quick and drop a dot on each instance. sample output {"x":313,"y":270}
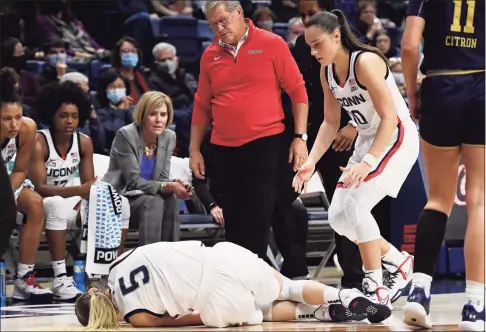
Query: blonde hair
{"x":95,"y":311}
{"x":150,"y":101}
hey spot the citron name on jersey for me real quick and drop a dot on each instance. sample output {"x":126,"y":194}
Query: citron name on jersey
{"x":454,"y":41}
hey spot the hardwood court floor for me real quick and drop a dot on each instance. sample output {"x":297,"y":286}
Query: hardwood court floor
{"x":445,"y":314}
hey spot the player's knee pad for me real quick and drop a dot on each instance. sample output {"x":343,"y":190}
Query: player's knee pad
{"x":292,"y":290}
{"x":125,"y":212}
{"x":57,"y":213}
{"x":360,"y":220}
{"x":337,"y":218}
{"x":267,"y":312}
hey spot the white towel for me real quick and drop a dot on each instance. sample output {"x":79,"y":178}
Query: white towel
{"x":102,"y":227}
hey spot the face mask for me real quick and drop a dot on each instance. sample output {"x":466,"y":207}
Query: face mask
{"x":129,"y":60}
{"x":54,"y":58}
{"x":169,"y":66}
{"x":399,"y":78}
{"x":115,"y":96}
{"x":266,"y":25}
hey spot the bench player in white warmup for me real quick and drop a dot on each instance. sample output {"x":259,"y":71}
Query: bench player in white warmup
{"x":357,"y":77}
{"x":59,"y":153}
{"x":186,"y":283}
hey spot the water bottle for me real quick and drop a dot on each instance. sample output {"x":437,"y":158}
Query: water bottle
{"x":3,"y":271}
{"x":79,"y":274}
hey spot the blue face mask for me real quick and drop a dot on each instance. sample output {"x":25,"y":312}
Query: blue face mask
{"x":54,"y":58}
{"x":129,"y":60}
{"x":115,"y":96}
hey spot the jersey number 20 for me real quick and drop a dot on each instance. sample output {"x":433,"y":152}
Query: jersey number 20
{"x":456,"y":20}
{"x":134,"y":284}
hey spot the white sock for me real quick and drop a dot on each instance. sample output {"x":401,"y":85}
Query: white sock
{"x":305,"y":311}
{"x":421,"y":280}
{"x":475,"y":294}
{"x":331,"y":295}
{"x":59,"y":268}
{"x":392,"y":259}
{"x":376,"y":276}
{"x":23,"y":269}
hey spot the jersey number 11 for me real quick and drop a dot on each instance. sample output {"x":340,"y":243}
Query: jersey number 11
{"x":456,"y":20}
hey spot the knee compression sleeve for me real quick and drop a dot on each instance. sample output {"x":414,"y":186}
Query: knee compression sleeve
{"x":58,"y":213}
{"x":292,"y":290}
{"x":360,"y":219}
{"x":337,"y":218}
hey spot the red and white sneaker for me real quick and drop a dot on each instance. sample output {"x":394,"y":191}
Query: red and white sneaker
{"x":397,"y":278}
{"x":28,"y":289}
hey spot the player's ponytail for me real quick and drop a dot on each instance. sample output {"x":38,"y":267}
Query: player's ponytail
{"x":95,"y":311}
{"x":329,"y":21}
{"x":9,"y":87}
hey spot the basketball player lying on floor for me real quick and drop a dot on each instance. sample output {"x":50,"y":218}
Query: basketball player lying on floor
{"x":186,"y":283}
{"x":58,"y":154}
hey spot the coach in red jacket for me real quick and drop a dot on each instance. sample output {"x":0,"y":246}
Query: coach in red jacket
{"x":239,"y":93}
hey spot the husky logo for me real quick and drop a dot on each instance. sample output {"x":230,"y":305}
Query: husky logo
{"x":115,"y":200}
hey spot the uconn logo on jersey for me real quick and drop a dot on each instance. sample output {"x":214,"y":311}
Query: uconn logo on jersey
{"x":351,"y":101}
{"x":57,"y":173}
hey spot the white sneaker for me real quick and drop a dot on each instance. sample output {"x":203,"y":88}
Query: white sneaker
{"x":472,"y":319}
{"x":397,"y":278}
{"x":27,"y":289}
{"x":378,"y":294}
{"x":64,"y":288}
{"x":362,"y":304}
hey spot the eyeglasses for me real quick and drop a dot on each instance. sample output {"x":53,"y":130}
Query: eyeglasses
{"x":223,"y":23}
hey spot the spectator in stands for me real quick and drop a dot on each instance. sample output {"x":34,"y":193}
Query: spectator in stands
{"x":263,"y":18}
{"x":55,"y":54}
{"x":116,"y":104}
{"x":57,"y":21}
{"x":383,"y":43}
{"x":244,"y":106}
{"x":93,"y":127}
{"x":13,"y":55}
{"x":172,"y":7}
{"x":140,"y":167}
{"x":17,"y":139}
{"x":296,"y":28}
{"x":180,"y":86}
{"x":126,"y":58}
{"x":285,"y":9}
{"x":367,"y":23}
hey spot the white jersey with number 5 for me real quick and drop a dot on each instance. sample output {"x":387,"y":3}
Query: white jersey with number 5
{"x":61,"y":171}
{"x":356,"y":100}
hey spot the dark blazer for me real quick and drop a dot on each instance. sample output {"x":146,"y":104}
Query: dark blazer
{"x":126,"y":156}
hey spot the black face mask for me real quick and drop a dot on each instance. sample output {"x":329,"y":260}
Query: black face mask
{"x":162,"y":67}
{"x":18,"y":62}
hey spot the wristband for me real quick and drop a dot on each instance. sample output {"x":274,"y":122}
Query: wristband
{"x":353,"y":123}
{"x":370,"y":160}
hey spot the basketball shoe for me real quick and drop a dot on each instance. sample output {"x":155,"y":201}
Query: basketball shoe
{"x":363,"y":304}
{"x":417,"y":309}
{"x":397,"y":278}
{"x":336,"y":313}
{"x":64,"y":288}
{"x":27,"y":288}
{"x":472,"y":319}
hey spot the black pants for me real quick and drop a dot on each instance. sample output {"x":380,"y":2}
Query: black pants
{"x":248,"y":180}
{"x":290,"y":222}
{"x":348,"y":252}
{"x":9,"y":209}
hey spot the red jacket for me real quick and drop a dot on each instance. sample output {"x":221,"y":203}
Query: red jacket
{"x":242,"y":95}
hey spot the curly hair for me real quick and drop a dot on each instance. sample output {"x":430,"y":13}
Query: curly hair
{"x":53,"y":95}
{"x":108,"y":77}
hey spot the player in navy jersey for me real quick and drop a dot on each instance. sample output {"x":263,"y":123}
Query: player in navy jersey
{"x":451,"y":121}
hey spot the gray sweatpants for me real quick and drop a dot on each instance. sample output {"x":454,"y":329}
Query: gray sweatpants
{"x":155,"y":217}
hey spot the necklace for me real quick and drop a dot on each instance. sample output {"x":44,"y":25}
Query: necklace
{"x":149,"y":152}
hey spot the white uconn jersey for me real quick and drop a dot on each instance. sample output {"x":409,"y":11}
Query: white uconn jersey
{"x":356,"y":100}
{"x":158,"y":278}
{"x":61,"y":171}
{"x":9,"y":149}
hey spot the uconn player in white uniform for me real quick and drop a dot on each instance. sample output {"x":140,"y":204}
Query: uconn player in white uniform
{"x":60,"y":152}
{"x":357,"y":77}
{"x":17,"y":135}
{"x":186,"y":283}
